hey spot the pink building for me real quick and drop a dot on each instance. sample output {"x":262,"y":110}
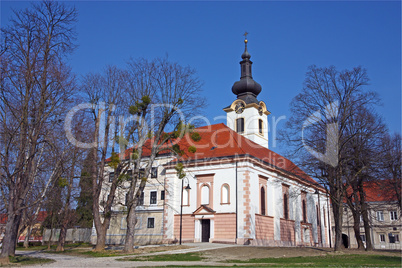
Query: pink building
{"x":236,"y":189}
{"x":240,"y":191}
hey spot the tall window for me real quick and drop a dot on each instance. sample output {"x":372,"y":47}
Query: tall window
{"x":153,"y":197}
{"x":304,"y":211}
{"x":382,"y":237}
{"x":162,"y":195}
{"x":318,"y":215}
{"x":396,"y":236}
{"x":391,"y":238}
{"x":260,"y":126}
{"x":285,"y":206}
{"x":262,"y":201}
{"x":240,"y":125}
{"x":111,"y":176}
{"x":325,"y":221}
{"x":394,"y":215}
{"x":380,"y":216}
{"x":154,"y":172}
{"x":151,"y":223}
{"x":225,"y":194}
{"x":205,"y":195}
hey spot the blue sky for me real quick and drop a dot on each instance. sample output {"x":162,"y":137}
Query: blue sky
{"x":284,"y":39}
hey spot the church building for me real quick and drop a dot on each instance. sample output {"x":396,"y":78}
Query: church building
{"x":236,"y":190}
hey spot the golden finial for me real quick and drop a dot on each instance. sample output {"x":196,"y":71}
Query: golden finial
{"x":245,"y":37}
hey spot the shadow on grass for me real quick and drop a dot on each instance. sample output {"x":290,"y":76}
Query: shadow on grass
{"x":21,"y":260}
{"x":53,"y":247}
{"x":353,"y":260}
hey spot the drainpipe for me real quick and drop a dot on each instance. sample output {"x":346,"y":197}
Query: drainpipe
{"x":163,"y":210}
{"x":329,"y":223}
{"x":236,"y":207}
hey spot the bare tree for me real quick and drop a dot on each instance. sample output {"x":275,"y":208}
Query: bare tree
{"x":317,"y":130}
{"x":71,"y":167}
{"x":365,"y":129}
{"x":390,"y":165}
{"x":35,"y":84}
{"x":105,"y":92}
{"x":166,"y":95}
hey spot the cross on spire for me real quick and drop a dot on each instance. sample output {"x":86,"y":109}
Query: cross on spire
{"x":245,"y":35}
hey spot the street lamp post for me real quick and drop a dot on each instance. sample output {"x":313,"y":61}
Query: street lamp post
{"x":181,"y":205}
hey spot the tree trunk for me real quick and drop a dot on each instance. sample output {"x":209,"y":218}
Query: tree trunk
{"x":62,"y":237}
{"x":51,"y":232}
{"x":100,"y":238}
{"x":28,"y":234}
{"x":129,"y":242}
{"x":11,"y":235}
{"x":356,"y":229}
{"x":355,"y":208}
{"x":366,"y":220}
{"x":50,"y":238}
{"x":337,"y":210}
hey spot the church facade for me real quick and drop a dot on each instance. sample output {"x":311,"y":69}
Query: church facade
{"x":236,"y":190}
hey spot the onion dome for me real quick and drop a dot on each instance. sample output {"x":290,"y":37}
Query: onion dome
{"x":246,"y":89}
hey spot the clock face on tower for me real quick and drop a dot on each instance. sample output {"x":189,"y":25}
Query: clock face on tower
{"x":239,"y":108}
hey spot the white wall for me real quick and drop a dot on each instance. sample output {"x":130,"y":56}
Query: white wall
{"x":251,"y":117}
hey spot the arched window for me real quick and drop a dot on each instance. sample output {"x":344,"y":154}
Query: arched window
{"x":205,"y":195}
{"x":260,"y":126}
{"x":240,"y":125}
{"x":304,"y":211}
{"x":262,"y":201}
{"x":186,"y":197}
{"x":285,"y":206}
{"x":225,"y":194}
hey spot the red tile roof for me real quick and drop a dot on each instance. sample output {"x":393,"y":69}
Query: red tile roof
{"x":220,"y":142}
{"x":40,"y":218}
{"x":379,"y":191}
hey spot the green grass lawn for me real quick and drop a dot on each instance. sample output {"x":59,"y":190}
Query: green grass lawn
{"x":192,"y":256}
{"x":25,"y":260}
{"x":355,"y":260}
{"x":106,"y":253}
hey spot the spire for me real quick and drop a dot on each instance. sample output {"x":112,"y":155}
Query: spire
{"x":245,"y":54}
{"x":246,"y":89}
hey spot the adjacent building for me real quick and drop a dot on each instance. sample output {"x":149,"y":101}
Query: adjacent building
{"x":384,"y":214}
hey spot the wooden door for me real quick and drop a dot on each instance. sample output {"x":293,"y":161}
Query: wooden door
{"x":205,"y":230}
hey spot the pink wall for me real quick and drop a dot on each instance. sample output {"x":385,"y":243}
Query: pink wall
{"x":187,"y":227}
{"x":287,"y":230}
{"x":225,"y":226}
{"x":264,"y":227}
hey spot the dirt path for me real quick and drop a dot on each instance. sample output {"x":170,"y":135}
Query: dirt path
{"x":215,"y":254}
{"x":64,"y":260}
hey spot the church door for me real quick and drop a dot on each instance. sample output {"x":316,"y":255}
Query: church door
{"x":205,"y":230}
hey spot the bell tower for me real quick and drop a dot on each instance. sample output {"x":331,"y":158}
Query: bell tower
{"x":246,"y":115}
